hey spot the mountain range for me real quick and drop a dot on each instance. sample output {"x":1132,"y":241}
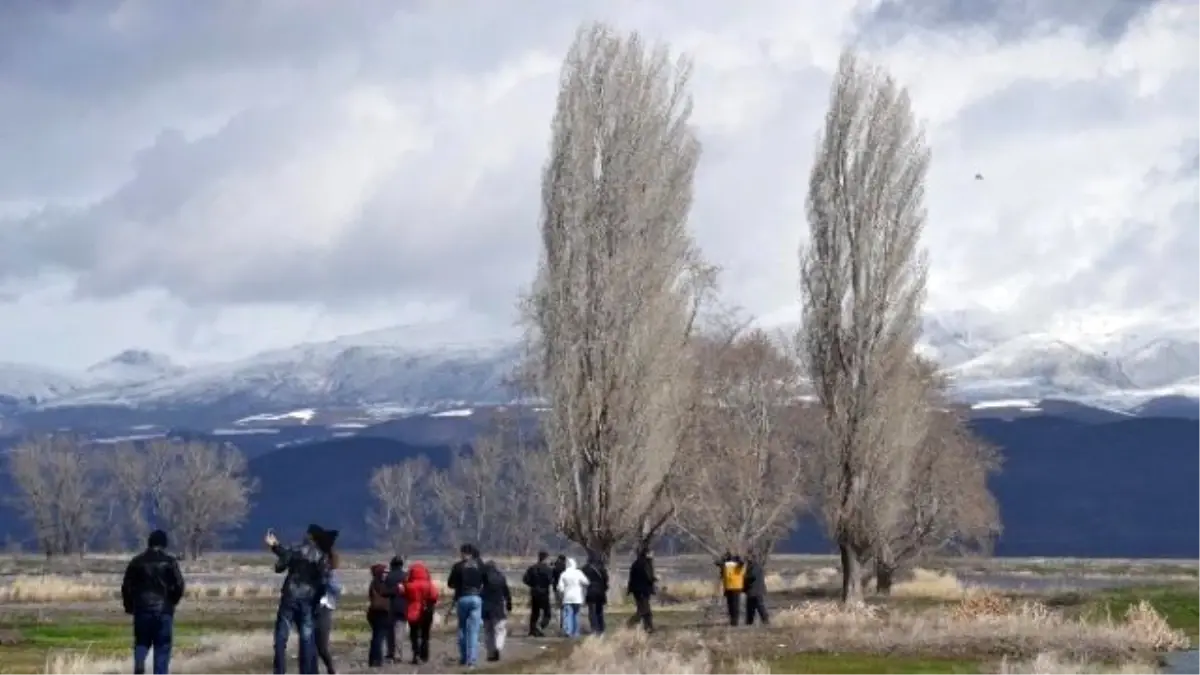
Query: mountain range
{"x":377,"y":371}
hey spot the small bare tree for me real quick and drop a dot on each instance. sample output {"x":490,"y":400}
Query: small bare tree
{"x":403,"y":507}
{"x":57,"y":492}
{"x":947,"y":505}
{"x":612,"y":308}
{"x":496,"y":493}
{"x":862,"y":287}
{"x":198,"y":490}
{"x":741,"y":485}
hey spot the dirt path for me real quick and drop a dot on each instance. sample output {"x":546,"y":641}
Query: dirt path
{"x":351,"y":656}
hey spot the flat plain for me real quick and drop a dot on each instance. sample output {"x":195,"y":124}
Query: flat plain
{"x":951,"y":616}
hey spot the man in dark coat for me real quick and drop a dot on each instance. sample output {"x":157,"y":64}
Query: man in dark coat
{"x":539,"y":579}
{"x":497,"y":603}
{"x":307,"y":569}
{"x":643,"y":583}
{"x":395,"y":577}
{"x":597,"y":592}
{"x":756,"y":591}
{"x":152,"y":587}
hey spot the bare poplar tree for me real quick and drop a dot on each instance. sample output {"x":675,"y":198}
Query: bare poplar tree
{"x":57,"y":492}
{"x":741,"y":485}
{"x":947,"y":506}
{"x":862,"y":289}
{"x":619,"y":281}
{"x":198,"y":490}
{"x":403,"y":496}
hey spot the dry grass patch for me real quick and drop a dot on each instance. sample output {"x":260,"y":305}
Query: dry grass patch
{"x":55,"y":588}
{"x":211,"y":653}
{"x":1054,"y":664}
{"x":978,"y":628}
{"x":932,"y":585}
{"x":632,"y":651}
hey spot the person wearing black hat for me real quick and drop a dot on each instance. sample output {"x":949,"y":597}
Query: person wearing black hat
{"x":307,"y":570}
{"x":395,"y":588}
{"x":152,"y":587}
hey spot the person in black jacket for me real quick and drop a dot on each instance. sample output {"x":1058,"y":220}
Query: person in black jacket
{"x":756,"y":591}
{"x":468,"y":581}
{"x":560,"y":566}
{"x":643,"y":583}
{"x":394,"y":580}
{"x":539,"y":579}
{"x":497,"y":603}
{"x":152,"y":587}
{"x":597,"y":592}
{"x":307,"y":570}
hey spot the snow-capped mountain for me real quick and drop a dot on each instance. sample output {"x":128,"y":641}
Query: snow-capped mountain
{"x":986,"y":360}
{"x":133,"y":365}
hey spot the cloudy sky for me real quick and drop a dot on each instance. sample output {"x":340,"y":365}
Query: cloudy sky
{"x":209,"y":179}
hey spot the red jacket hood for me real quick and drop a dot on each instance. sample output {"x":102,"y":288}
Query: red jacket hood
{"x":418,"y":572}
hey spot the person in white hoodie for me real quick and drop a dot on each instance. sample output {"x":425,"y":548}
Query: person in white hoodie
{"x":572,"y":587}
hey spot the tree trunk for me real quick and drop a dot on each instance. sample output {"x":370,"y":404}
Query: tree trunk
{"x":852,"y":588}
{"x":884,"y":575}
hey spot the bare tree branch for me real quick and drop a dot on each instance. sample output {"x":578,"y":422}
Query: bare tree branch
{"x":57,"y":492}
{"x":862,"y":288}
{"x":618,"y":287}
{"x":404,"y":495}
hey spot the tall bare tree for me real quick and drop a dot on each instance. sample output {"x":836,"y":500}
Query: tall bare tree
{"x":403,"y":507}
{"x":862,"y":289}
{"x":619,"y":282}
{"x":947,"y":506}
{"x":197,"y":489}
{"x":124,"y":469}
{"x":57,"y":492}
{"x":741,"y":486}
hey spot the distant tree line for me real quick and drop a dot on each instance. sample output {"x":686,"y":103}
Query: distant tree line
{"x":78,"y":496}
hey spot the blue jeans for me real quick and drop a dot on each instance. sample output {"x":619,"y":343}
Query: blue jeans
{"x":470,"y":622}
{"x":571,"y":620}
{"x":297,"y":614}
{"x":152,"y":631}
{"x":596,"y":617}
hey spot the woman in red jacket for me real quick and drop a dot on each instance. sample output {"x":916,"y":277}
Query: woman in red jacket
{"x":421,"y":595}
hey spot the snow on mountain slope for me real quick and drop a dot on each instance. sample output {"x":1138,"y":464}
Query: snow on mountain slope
{"x":133,"y":365}
{"x":1044,"y":365}
{"x":954,"y":337}
{"x":31,"y":383}
{"x":1161,"y":362}
{"x":348,"y":371}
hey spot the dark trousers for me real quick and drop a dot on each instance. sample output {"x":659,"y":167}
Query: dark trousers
{"x":756,"y":606}
{"x":152,"y":631}
{"x":381,"y":624}
{"x":418,"y":635}
{"x":596,"y":617}
{"x":539,"y":613}
{"x":733,"y":605}
{"x":643,"y":612}
{"x":393,"y":647}
{"x":322,"y":629}
{"x":297,"y":615}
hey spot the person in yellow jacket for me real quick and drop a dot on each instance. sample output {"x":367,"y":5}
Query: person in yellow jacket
{"x":733,"y":583}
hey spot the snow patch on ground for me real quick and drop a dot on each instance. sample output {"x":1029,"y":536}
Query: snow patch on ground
{"x":242,"y":432}
{"x":1022,"y":403}
{"x":305,"y":416}
{"x":465,"y":412}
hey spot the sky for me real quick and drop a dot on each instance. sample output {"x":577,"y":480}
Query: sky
{"x":211,"y":179}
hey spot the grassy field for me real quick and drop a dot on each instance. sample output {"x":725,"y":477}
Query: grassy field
{"x":64,"y":617}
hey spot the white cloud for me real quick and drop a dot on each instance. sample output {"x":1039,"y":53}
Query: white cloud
{"x":207,"y":179}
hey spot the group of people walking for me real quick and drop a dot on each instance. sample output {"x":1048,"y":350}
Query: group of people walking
{"x":482,"y":601}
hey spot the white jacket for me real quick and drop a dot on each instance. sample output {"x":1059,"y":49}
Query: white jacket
{"x":572,"y":583}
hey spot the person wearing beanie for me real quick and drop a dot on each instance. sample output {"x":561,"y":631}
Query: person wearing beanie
{"x":152,"y":587}
{"x":395,"y":586}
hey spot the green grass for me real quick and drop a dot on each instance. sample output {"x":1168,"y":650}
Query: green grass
{"x":1179,"y":605}
{"x":868,"y":663}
